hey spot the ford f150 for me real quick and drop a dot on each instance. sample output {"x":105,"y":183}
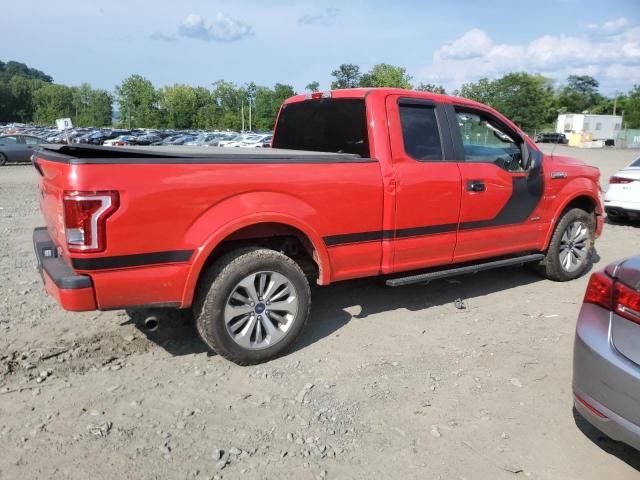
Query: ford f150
{"x":362,"y":182}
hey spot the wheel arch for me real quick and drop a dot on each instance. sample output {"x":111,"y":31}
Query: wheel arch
{"x":242,"y":227}
{"x":584,"y":200}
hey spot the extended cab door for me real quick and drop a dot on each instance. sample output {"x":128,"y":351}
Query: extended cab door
{"x":500,"y":191}
{"x":428,"y":188}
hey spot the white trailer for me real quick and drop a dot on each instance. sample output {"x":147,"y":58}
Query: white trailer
{"x":601,"y":127}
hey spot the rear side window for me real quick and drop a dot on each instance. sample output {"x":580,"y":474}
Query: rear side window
{"x":326,"y":125}
{"x":420,"y":132}
{"x":636,"y":163}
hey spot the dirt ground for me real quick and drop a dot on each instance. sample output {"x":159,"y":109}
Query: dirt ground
{"x":384,"y":383}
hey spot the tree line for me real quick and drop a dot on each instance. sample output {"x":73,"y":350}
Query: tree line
{"x":530,"y":100}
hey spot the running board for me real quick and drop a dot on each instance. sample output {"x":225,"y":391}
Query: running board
{"x":454,"y":272}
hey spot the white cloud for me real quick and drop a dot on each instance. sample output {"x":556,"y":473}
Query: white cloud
{"x":475,"y":55}
{"x":222,"y":29}
{"x":611,"y":27}
{"x":326,"y":17}
{"x":473,"y":44}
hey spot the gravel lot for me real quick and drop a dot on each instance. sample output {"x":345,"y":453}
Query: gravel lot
{"x":385,"y":383}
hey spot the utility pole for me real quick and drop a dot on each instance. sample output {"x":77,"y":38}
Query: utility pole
{"x":250,"y":114}
{"x":615,"y":102}
{"x":242,"y":113}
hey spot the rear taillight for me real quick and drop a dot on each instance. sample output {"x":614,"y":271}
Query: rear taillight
{"x":614,"y":180}
{"x":626,"y":302}
{"x":614,"y":296}
{"x":85,"y":215}
{"x":599,"y":290}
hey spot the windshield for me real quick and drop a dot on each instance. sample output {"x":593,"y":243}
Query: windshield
{"x":325,"y":125}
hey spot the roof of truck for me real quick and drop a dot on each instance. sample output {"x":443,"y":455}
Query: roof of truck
{"x":364,"y":92}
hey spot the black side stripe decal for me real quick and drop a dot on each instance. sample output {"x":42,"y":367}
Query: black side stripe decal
{"x":137,"y":260}
{"x":526,"y":194}
{"x":378,"y":235}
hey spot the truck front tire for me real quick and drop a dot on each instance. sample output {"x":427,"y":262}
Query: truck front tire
{"x":252,"y":305}
{"x":571,"y":247}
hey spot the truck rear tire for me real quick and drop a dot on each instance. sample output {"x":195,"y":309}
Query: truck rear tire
{"x":571,"y":247}
{"x":252,"y":305}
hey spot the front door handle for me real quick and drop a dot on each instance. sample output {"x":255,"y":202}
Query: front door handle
{"x":475,"y":186}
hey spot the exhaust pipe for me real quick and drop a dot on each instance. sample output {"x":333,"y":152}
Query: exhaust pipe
{"x":151,"y":323}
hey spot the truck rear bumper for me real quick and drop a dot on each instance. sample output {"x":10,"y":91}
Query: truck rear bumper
{"x":72,"y":291}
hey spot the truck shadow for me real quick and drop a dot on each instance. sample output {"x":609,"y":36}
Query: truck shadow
{"x":330,"y":305}
{"x":620,"y":450}
{"x":329,"y":308}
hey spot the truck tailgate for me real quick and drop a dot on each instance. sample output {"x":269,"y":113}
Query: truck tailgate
{"x":55,"y":178}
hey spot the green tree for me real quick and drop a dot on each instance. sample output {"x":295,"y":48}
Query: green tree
{"x":230,"y":101}
{"x":12,"y":69}
{"x":138,"y":102}
{"x":313,"y":86}
{"x":525,"y":99}
{"x":482,"y":91}
{"x":579,"y":94}
{"x":385,"y":75}
{"x":53,"y":101}
{"x":208,"y":112}
{"x":632,"y":108}
{"x":179,"y":106}
{"x":346,"y":76}
{"x":430,"y":87}
{"x":92,"y":108}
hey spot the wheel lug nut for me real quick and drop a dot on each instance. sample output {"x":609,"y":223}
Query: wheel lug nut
{"x":259,"y":317}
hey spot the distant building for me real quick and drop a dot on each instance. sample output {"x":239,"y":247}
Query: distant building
{"x":600,"y":127}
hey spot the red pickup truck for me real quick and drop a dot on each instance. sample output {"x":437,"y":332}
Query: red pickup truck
{"x":362,"y":182}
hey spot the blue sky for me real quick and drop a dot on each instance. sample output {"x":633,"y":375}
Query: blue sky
{"x":200,"y":41}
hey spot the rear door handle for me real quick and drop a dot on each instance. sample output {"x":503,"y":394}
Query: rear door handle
{"x":475,"y":186}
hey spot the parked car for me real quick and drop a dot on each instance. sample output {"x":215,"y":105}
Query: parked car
{"x":375,"y":181}
{"x":622,"y":200}
{"x":256,"y":141}
{"x":18,"y":148}
{"x":233,"y":141}
{"x":552,"y":137}
{"x":120,"y":141}
{"x":203,"y":139}
{"x":606,"y":359}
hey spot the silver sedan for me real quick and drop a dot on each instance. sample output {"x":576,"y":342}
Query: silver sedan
{"x":606,"y":360}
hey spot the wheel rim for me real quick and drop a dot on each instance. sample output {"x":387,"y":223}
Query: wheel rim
{"x":574,"y":246}
{"x":261,"y":309}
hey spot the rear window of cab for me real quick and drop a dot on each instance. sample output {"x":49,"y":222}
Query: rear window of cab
{"x":324,"y":125}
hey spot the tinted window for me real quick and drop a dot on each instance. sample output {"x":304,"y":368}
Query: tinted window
{"x":324,"y":126}
{"x":8,"y":140}
{"x":484,"y":140}
{"x":636,"y":163}
{"x":420,"y":132}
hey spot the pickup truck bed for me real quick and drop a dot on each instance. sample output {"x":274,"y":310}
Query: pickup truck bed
{"x":92,"y":154}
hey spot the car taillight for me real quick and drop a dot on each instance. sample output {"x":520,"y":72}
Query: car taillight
{"x":626,"y":302}
{"x":614,"y":296}
{"x":616,"y":179}
{"x":85,"y":215}
{"x":599,"y":290}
